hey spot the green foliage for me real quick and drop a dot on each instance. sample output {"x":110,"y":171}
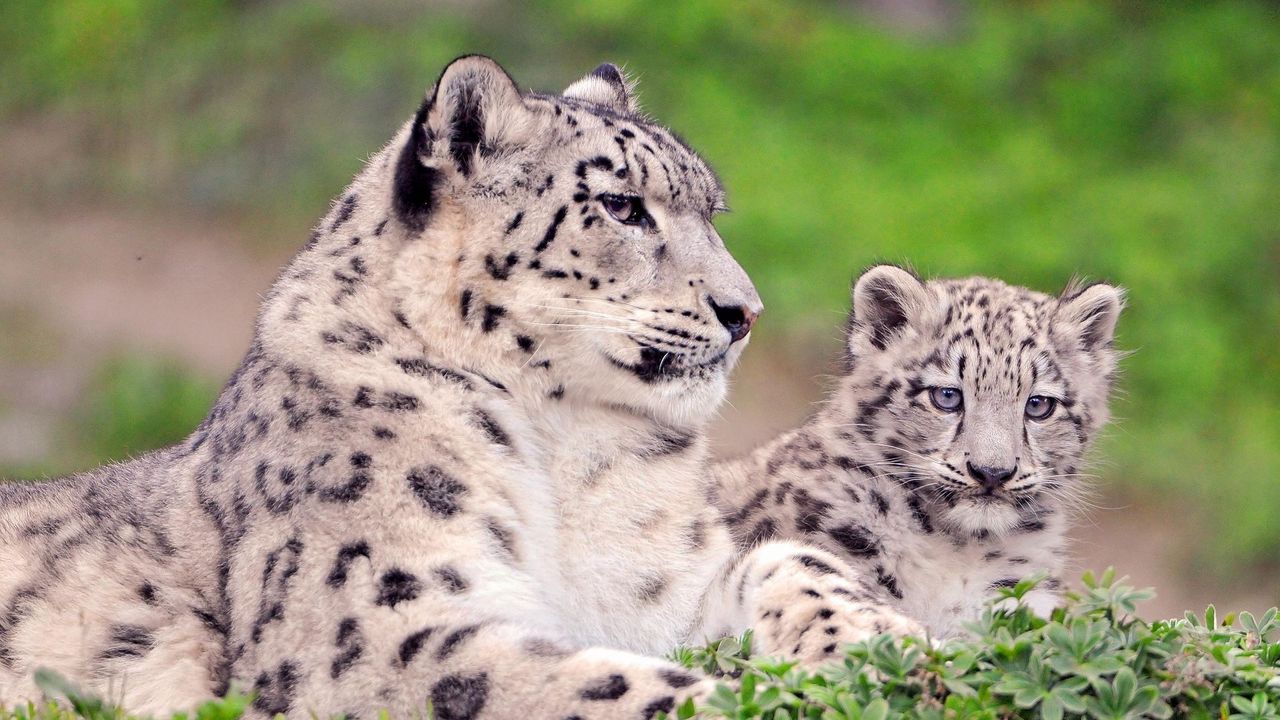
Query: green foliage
{"x":66,"y":701}
{"x":1092,"y":659}
{"x":135,"y":404}
{"x":1134,"y":141}
{"x":131,"y":405}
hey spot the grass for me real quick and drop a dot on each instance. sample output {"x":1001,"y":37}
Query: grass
{"x":1092,"y":659}
{"x":65,"y":701}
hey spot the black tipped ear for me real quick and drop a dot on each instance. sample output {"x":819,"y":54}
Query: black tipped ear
{"x":611,"y":74}
{"x":886,"y":299}
{"x":472,"y":112}
{"x":606,"y":86}
{"x":478,"y":108}
{"x":1090,"y":314}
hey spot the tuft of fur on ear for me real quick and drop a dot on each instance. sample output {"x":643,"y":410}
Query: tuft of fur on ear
{"x":478,"y":109}
{"x":472,"y":112}
{"x":605,"y":86}
{"x":1089,"y":314}
{"x":886,"y":299}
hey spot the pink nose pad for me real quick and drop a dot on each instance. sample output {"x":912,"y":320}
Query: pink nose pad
{"x":737,"y":319}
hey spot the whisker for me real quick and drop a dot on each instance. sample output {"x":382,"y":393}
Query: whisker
{"x":612,"y":302}
{"x":532,"y":355}
{"x":574,"y":312}
{"x":895,"y":448}
{"x":569,"y":328}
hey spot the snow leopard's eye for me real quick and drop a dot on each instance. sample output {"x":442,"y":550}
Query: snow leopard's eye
{"x":1040,"y":407}
{"x":627,"y":209}
{"x":947,"y":399}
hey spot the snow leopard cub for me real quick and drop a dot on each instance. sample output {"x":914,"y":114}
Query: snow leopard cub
{"x":946,"y":461}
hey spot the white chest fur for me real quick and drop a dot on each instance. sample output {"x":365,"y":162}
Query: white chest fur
{"x":623,"y":541}
{"x":946,"y":584}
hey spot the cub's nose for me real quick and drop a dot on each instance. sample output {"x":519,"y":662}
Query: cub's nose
{"x":991,"y":478}
{"x":737,"y":319}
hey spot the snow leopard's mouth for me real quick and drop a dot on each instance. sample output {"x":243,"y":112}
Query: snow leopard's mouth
{"x":657,"y":365}
{"x":986,"y":497}
{"x":957,"y":490}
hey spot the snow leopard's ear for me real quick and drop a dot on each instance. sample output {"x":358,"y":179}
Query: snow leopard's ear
{"x":606,"y":86}
{"x":1087,"y":314}
{"x":886,"y":299}
{"x":472,"y":113}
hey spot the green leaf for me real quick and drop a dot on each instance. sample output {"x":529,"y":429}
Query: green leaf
{"x":875,"y":710}
{"x":1125,"y":684}
{"x":1051,"y":708}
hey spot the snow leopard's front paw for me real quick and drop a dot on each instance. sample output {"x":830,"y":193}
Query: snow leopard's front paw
{"x":601,"y":684}
{"x":815,"y":630}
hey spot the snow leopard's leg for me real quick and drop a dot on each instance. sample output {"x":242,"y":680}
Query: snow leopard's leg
{"x":800,"y":601}
{"x":337,"y":624}
{"x":467,"y":670}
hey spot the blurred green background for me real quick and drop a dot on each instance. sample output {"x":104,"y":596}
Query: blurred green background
{"x":1137,"y":142}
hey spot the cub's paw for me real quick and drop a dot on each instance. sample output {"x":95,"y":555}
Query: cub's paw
{"x":805,"y":604}
{"x":815,"y":628}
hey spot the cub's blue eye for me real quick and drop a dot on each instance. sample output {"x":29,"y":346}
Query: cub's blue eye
{"x":947,"y":399}
{"x":1040,"y":407}
{"x":626,"y":209}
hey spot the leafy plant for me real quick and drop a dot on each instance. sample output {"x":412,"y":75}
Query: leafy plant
{"x":64,"y":701}
{"x":1093,"y":658}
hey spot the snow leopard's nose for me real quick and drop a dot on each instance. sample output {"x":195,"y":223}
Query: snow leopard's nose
{"x":989,"y":477}
{"x":737,"y":319}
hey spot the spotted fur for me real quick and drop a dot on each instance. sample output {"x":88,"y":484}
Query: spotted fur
{"x":881,"y":476}
{"x":462,"y":462}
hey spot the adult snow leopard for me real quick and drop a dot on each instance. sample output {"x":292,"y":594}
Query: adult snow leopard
{"x":462,"y":462}
{"x":944,"y":462}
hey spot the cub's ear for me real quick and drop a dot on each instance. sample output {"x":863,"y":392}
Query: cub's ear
{"x":473,"y":112}
{"x":886,"y":299}
{"x":1088,"y":314}
{"x":606,"y":86}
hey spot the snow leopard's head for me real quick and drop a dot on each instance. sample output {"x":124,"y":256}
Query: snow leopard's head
{"x":979,"y":395}
{"x":581,"y":239}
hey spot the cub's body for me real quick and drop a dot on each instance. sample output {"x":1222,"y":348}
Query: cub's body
{"x":935,"y":578}
{"x":938,"y":505}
